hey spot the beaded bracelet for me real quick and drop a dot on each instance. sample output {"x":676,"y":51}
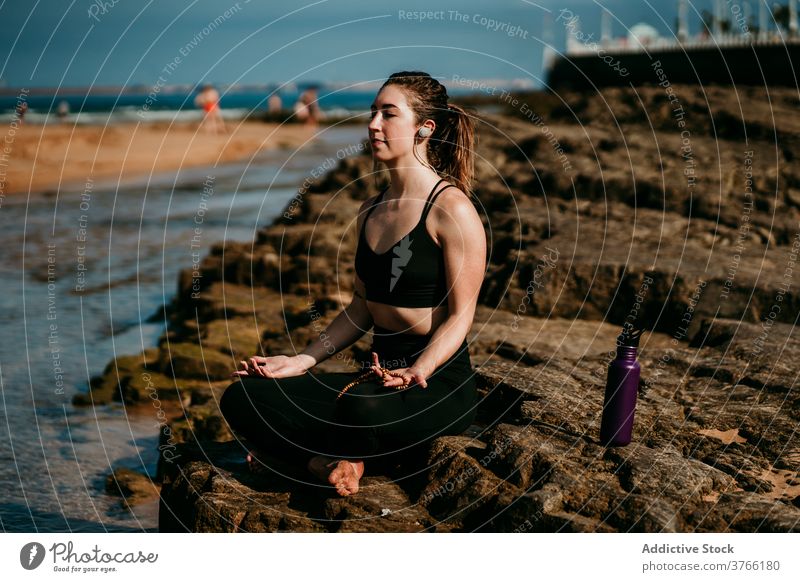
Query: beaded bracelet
{"x":370,"y":375}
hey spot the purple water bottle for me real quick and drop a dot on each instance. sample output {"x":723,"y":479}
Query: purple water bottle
{"x":621,"y":389}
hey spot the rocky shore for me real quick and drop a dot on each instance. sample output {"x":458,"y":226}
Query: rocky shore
{"x":681,"y":215}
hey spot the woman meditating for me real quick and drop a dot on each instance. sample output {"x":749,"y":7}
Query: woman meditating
{"x":419,"y":265}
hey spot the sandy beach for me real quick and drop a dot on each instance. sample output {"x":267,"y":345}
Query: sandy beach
{"x":63,"y":157}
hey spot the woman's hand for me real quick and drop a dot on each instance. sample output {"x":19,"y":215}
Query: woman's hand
{"x":400,"y":376}
{"x":274,"y":366}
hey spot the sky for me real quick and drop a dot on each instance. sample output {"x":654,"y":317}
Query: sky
{"x":68,"y":43}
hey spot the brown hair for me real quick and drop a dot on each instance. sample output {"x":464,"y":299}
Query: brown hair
{"x":450,"y":147}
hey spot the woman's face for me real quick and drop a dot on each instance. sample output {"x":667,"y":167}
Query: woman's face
{"x":392,"y":127}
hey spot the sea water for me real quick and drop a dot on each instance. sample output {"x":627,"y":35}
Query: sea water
{"x":122,"y":249}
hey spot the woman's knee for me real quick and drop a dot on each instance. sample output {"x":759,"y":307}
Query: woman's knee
{"x":248,"y":396}
{"x":226,"y":401}
{"x":232,"y":400}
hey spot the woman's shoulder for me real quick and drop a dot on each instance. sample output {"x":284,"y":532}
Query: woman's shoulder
{"x":451,"y":198}
{"x":454,"y":208}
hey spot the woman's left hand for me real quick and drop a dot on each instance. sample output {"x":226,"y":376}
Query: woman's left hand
{"x":400,"y":376}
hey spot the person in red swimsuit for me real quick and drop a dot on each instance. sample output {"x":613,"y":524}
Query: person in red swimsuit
{"x":416,"y":286}
{"x":208,"y":99}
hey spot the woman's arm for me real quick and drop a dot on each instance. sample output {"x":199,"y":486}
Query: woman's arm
{"x":349,"y":325}
{"x":352,"y":323}
{"x":463,"y":240}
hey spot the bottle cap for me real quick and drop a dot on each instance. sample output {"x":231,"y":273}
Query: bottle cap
{"x":629,"y":337}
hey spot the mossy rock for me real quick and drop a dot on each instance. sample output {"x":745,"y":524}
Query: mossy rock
{"x":297,"y":312}
{"x":132,"y":486}
{"x":130,"y":364}
{"x":102,"y":390}
{"x":188,"y":360}
{"x":259,"y":304}
{"x":237,"y":336}
{"x":141,"y":387}
{"x":111,"y":384}
{"x":200,"y":423}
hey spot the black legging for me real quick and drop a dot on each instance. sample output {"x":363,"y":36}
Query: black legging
{"x":299,"y":417}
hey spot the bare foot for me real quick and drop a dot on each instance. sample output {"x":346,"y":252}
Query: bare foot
{"x":341,"y":473}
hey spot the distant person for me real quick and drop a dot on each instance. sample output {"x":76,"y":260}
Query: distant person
{"x":22,"y":109}
{"x":62,"y":111}
{"x":208,"y":99}
{"x":274,"y":103}
{"x":307,"y":107}
{"x":302,"y":109}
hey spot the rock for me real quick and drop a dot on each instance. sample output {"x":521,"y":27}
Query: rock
{"x":200,"y":423}
{"x":666,"y":473}
{"x":188,"y":360}
{"x":536,"y":465}
{"x":132,"y":486}
{"x":383,"y":506}
{"x":648,"y":514}
{"x":237,"y":336}
{"x":217,"y":503}
{"x":748,"y":512}
{"x":225,"y":496}
{"x":460,"y":491}
{"x":592,"y":226}
{"x":131,"y":379}
{"x":151,"y":385}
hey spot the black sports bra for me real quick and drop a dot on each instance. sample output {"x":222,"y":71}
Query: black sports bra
{"x":411,"y":273}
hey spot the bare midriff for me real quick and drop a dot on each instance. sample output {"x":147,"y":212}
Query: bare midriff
{"x":416,"y":320}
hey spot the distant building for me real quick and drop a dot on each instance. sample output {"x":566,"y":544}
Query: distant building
{"x":727,"y":48}
{"x":642,"y":34}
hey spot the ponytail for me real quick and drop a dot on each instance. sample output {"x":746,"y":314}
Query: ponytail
{"x":454,"y":154}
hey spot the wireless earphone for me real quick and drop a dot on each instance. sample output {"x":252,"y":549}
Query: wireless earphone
{"x":424,"y":131}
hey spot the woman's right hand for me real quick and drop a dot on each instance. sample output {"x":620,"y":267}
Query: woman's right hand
{"x":274,"y":366}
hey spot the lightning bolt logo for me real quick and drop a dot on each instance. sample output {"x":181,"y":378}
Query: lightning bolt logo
{"x":402,"y":254}
{"x":31,"y":555}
